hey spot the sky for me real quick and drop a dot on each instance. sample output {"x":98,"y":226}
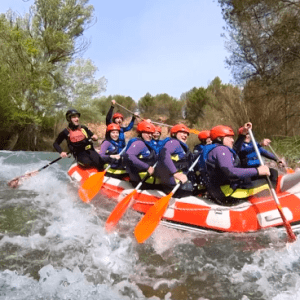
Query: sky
{"x":153,"y":46}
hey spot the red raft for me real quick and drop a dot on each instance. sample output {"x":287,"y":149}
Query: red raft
{"x":195,"y":213}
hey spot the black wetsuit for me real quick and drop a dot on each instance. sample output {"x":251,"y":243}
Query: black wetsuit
{"x":83,"y":151}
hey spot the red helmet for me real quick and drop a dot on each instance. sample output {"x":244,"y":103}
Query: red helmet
{"x":157,"y":128}
{"x":179,"y":128}
{"x":221,"y":131}
{"x":112,"y":127}
{"x":145,"y":126}
{"x":203,"y":135}
{"x":117,"y":115}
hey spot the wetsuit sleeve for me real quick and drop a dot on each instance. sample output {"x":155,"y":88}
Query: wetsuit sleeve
{"x":224,"y":159}
{"x":109,"y":116}
{"x":267,"y":154}
{"x":60,"y":138}
{"x":164,"y":159}
{"x":237,"y":147}
{"x":132,"y":154}
{"x":129,"y":127}
{"x":104,"y":146}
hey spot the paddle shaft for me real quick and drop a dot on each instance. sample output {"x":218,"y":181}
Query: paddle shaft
{"x":157,"y":123}
{"x":290,"y":233}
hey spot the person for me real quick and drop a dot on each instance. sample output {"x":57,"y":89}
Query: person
{"x":140,"y":157}
{"x":79,"y":139}
{"x":247,"y":152}
{"x":204,"y":138}
{"x":226,"y":181}
{"x":110,"y":152}
{"x":156,"y":142}
{"x":118,"y":118}
{"x":174,"y":161}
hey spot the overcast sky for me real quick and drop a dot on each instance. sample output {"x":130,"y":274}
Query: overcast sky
{"x":155,"y":46}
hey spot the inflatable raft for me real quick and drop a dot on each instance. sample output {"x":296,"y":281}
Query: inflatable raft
{"x":195,"y":213}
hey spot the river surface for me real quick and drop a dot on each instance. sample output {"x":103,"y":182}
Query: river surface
{"x":54,"y":246}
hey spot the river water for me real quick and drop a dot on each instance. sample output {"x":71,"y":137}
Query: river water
{"x":54,"y":246}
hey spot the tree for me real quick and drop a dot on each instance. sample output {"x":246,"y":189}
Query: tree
{"x":196,"y":99}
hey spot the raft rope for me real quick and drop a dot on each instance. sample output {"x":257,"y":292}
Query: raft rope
{"x":221,"y":208}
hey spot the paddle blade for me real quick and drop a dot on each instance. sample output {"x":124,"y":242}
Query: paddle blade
{"x":290,"y":233}
{"x":151,"y":219}
{"x":91,"y":187}
{"x":119,"y":211}
{"x":195,"y":131}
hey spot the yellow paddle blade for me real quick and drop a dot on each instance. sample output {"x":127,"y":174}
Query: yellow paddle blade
{"x":151,"y":219}
{"x":119,"y":211}
{"x":91,"y":187}
{"x":195,"y":131}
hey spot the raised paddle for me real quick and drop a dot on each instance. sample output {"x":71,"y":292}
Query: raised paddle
{"x":122,"y":206}
{"x":18,"y":180}
{"x":151,"y":219}
{"x":290,"y":233}
{"x":93,"y":184}
{"x":195,"y":131}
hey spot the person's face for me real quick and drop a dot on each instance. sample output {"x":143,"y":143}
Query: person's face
{"x":247,"y":138}
{"x":228,"y":141}
{"x":182,"y":136}
{"x":156,"y":135}
{"x":75,"y":120}
{"x":147,"y":136}
{"x":118,"y":121}
{"x":114,"y":134}
{"x":208,"y":141}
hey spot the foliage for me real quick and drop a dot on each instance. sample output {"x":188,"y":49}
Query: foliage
{"x":264,"y":42}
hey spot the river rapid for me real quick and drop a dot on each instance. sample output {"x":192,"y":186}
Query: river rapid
{"x":54,"y":246}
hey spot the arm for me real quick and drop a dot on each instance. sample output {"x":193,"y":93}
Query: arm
{"x":129,"y":127}
{"x":224,"y":159}
{"x":267,"y":154}
{"x":109,"y":116}
{"x":237,"y":147}
{"x":132,"y":153}
{"x":62,"y":136}
{"x":164,"y":159}
{"x":104,"y":146}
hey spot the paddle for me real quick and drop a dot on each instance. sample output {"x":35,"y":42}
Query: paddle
{"x":93,"y":184}
{"x":18,"y":180}
{"x":151,"y":219}
{"x":287,"y":169}
{"x":195,"y":131}
{"x":286,"y":224}
{"x":122,"y":206}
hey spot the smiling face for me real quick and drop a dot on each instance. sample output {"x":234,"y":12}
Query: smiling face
{"x":228,"y":141}
{"x":156,"y":135}
{"x":75,"y":120}
{"x":114,"y":134}
{"x":146,"y":136}
{"x":118,"y":121}
{"x":247,"y":138}
{"x":182,"y":136}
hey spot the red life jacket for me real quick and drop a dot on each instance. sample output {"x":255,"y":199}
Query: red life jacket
{"x":77,"y":135}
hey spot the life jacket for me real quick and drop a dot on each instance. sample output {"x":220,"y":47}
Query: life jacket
{"x":182,"y":157}
{"x":158,"y":145}
{"x":116,"y":168}
{"x":248,"y":155}
{"x":79,"y":139}
{"x":148,"y":156}
{"x":228,"y":189}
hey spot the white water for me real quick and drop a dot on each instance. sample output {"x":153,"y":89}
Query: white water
{"x":56,"y":248}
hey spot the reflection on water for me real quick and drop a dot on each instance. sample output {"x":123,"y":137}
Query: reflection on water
{"x":53,"y":246}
